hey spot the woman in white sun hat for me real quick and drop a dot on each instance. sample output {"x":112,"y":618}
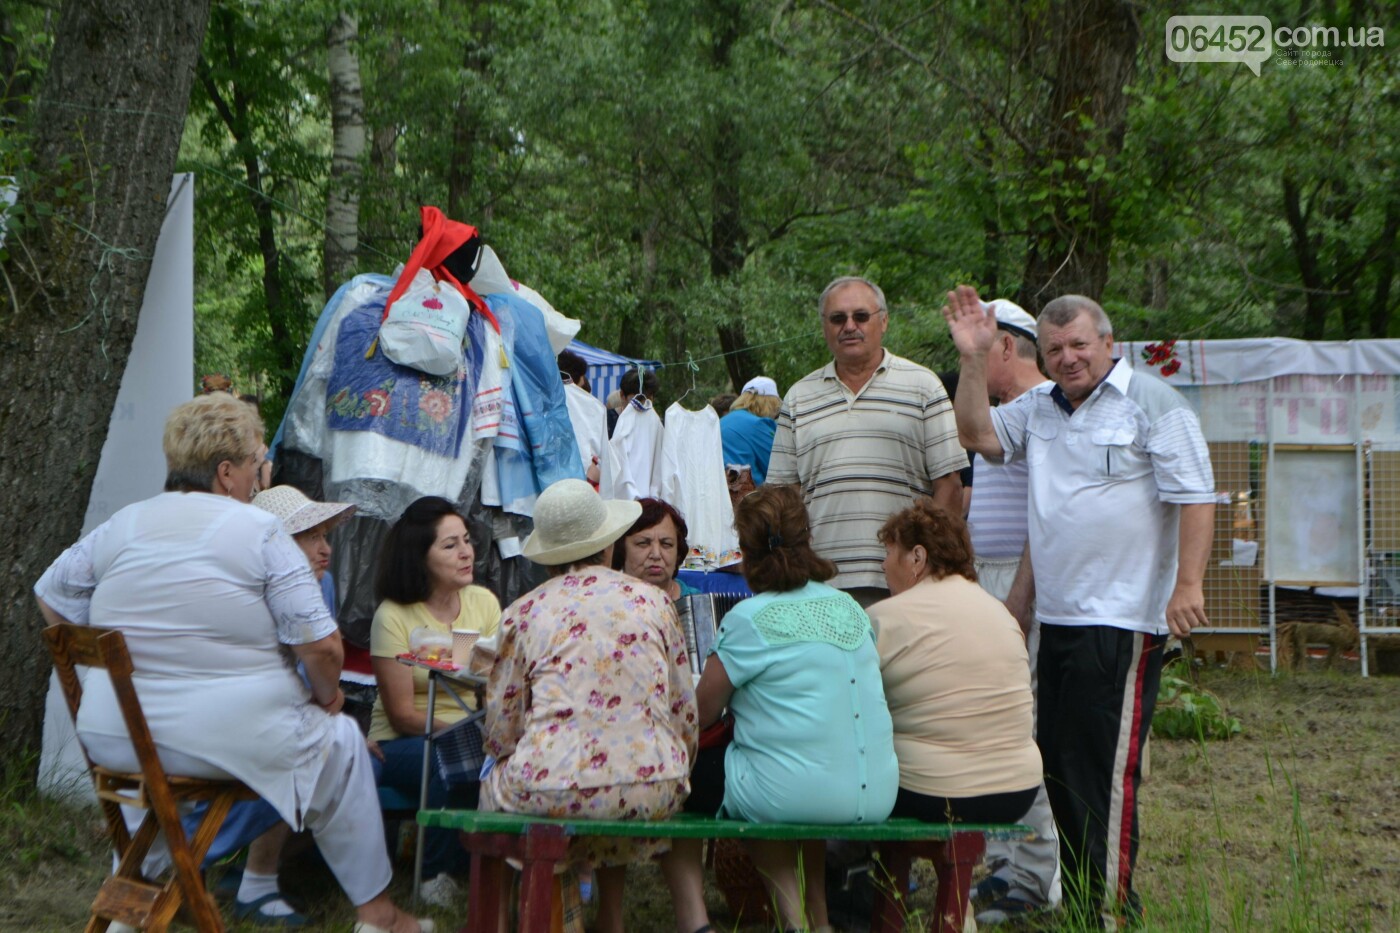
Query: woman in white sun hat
{"x":310,"y":524}
{"x":590,"y":708}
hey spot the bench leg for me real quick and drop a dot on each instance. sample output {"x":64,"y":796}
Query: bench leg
{"x":544,"y":847}
{"x":954,"y":867}
{"x":536,"y":895}
{"x":487,"y":882}
{"x":539,"y":848}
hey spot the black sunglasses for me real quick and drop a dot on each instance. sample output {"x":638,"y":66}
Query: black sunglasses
{"x":860,"y":317}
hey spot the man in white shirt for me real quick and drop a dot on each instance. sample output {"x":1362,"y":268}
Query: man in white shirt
{"x":1121,"y":515}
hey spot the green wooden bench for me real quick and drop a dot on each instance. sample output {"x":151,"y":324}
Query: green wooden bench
{"x":540,"y":843}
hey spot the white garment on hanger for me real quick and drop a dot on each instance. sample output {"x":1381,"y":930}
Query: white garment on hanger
{"x":635,"y":452}
{"x":693,"y":480}
{"x":590,"y":420}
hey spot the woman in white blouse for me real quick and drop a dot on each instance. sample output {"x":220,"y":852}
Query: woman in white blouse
{"x":207,"y":589}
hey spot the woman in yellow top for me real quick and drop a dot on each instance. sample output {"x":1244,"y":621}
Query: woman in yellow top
{"x":424,"y":580}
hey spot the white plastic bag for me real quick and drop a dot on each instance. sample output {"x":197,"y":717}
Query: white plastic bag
{"x":425,"y":326}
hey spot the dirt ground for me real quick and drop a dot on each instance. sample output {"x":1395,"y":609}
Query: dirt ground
{"x":1292,"y":826}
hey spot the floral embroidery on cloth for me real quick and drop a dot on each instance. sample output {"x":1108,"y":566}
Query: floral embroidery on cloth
{"x":403,"y":404}
{"x":1162,"y":355}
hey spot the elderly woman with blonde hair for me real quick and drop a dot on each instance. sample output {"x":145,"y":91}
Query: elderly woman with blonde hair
{"x":208,"y":591}
{"x":747,"y":430}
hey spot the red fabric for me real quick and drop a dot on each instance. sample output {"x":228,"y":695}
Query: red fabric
{"x":1125,"y":837}
{"x":357,"y":659}
{"x":721,"y":732}
{"x":441,"y":238}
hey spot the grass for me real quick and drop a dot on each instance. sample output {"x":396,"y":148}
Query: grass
{"x":1291,"y":826}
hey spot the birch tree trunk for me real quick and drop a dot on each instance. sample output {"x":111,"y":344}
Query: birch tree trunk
{"x":348,"y":148}
{"x":105,"y":134}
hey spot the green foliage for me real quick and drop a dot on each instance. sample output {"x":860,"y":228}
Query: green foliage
{"x":1187,"y":711}
{"x":24,"y":45}
{"x":661,"y":170}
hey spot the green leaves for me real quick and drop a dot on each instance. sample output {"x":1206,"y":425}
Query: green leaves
{"x":1185,"y":711}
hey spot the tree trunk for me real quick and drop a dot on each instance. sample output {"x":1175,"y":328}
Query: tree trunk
{"x":348,"y":148}
{"x":635,"y":327}
{"x":106,"y":131}
{"x":1378,"y":322}
{"x":1095,"y":46}
{"x":463,"y":196}
{"x":728,"y":240}
{"x":234,"y":112}
{"x":1305,"y":251}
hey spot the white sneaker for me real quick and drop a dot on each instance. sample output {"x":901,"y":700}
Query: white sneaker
{"x":442,"y":891}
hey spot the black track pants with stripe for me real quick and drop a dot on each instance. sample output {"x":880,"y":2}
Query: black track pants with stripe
{"x":1098,"y":687}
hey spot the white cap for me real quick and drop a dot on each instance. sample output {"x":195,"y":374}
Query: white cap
{"x":761,"y":385}
{"x":1012,"y":317}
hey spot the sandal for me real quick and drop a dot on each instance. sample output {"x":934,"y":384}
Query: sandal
{"x":253,"y":911}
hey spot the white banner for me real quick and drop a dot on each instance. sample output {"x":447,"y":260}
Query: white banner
{"x":1300,"y":409}
{"x":1224,"y":362}
{"x":159,"y":375}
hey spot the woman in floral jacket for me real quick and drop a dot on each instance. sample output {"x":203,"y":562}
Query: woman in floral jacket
{"x":590,"y":704}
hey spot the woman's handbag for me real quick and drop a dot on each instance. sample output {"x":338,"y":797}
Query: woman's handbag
{"x":460,"y":751}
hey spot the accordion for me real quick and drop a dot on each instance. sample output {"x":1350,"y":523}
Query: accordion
{"x":700,"y":617}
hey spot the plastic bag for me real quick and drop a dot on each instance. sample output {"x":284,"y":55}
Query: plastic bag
{"x":425,"y":327}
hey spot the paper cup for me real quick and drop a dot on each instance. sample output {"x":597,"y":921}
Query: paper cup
{"x":462,"y":642}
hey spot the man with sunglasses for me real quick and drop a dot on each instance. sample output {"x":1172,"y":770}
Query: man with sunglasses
{"x":864,"y":435}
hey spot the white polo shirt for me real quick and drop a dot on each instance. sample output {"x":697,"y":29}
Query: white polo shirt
{"x":1105,"y":483}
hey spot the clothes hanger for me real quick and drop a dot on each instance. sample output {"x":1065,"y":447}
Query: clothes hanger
{"x":694,"y":369}
{"x":640,"y":399}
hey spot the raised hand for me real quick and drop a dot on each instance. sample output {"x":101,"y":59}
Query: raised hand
{"x":973,"y":329}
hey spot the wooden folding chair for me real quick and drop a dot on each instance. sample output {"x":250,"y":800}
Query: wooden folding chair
{"x":127,"y":896}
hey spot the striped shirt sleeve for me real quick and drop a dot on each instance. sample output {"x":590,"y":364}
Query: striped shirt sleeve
{"x":1181,"y":459}
{"x":782,"y":463}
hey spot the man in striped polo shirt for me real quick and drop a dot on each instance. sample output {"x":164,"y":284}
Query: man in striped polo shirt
{"x":864,"y":436}
{"x":1122,"y":511}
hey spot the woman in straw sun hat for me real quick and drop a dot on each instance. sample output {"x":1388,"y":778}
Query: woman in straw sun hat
{"x":590,"y":709}
{"x":309,"y":523}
